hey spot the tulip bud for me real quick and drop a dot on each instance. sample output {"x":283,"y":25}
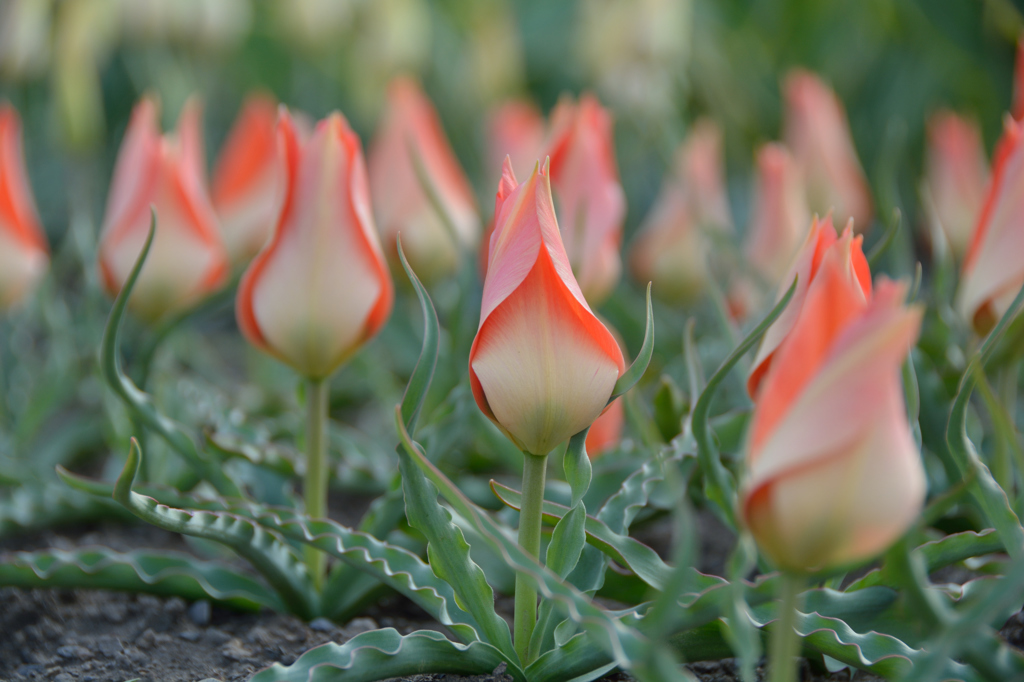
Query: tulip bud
{"x":817,"y":131}
{"x":24,"y":254}
{"x":542,"y":366}
{"x":591,"y":202}
{"x":248,"y":181}
{"x":993,"y":271}
{"x":187,"y":260}
{"x":672,"y":248}
{"x":834,"y":474}
{"x":411,"y":127}
{"x":320,"y":288}
{"x":515,"y":129}
{"x":956,"y":177}
{"x":806,"y":268}
{"x":780,"y":216}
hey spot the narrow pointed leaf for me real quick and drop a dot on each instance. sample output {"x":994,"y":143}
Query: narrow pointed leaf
{"x":419,"y":382}
{"x":633,"y":375}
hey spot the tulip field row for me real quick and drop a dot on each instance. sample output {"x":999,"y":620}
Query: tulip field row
{"x":339,"y":380}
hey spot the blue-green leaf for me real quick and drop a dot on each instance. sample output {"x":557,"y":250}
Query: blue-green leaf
{"x":636,"y":370}
{"x":423,"y":373}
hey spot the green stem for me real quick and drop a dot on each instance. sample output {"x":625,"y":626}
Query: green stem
{"x":785,"y":641}
{"x":534,"y":471}
{"x":315,"y":485}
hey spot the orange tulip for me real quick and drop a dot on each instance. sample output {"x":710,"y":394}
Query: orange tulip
{"x":248,"y":181}
{"x":591,"y":202}
{"x":515,"y":129}
{"x":834,"y":474}
{"x":956,"y":177}
{"x":411,"y":126}
{"x":188,"y":260}
{"x":24,"y":253}
{"x":320,"y":288}
{"x":780,"y":215}
{"x":817,"y":131}
{"x":821,"y":240}
{"x":672,"y":247}
{"x":993,"y":271}
{"x":542,"y":366}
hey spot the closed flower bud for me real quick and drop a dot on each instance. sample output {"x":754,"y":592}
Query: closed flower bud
{"x":591,"y":202}
{"x":834,"y":474}
{"x":806,"y":268}
{"x":411,"y":128}
{"x":248,"y":180}
{"x":542,"y":366}
{"x":672,"y":248}
{"x":817,"y":132}
{"x":320,"y":288}
{"x":24,"y":254}
{"x":188,"y":260}
{"x":780,"y":215}
{"x":993,"y":270}
{"x":956,"y":177}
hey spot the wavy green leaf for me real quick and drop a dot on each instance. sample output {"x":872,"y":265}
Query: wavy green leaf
{"x":636,"y":370}
{"x":33,"y":506}
{"x":719,"y":485}
{"x":138,"y":402}
{"x":154,"y":572}
{"x":382,"y":654}
{"x":937,"y":554}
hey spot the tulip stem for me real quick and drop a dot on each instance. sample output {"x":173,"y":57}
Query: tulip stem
{"x":785,"y":640}
{"x":315,"y":484}
{"x":534,"y":472}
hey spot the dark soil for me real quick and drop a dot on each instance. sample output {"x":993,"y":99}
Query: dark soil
{"x":99,"y":636}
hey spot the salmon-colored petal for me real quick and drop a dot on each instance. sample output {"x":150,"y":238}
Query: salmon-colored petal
{"x":18,"y":214}
{"x":515,"y":130}
{"x":135,"y":172}
{"x":834,"y":299}
{"x":780,"y":216}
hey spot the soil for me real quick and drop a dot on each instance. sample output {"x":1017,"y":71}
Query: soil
{"x":99,"y":636}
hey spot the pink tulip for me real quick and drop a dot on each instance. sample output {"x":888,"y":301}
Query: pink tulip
{"x":780,"y":216}
{"x":542,"y":366}
{"x":956,"y":178}
{"x":24,"y":253}
{"x":188,"y":260}
{"x":515,"y":129}
{"x":248,"y":181}
{"x":320,"y":288}
{"x":807,"y":268}
{"x":993,"y":270}
{"x":591,"y":202}
{"x":411,"y":126}
{"x":834,"y":474}
{"x":817,"y":131}
{"x":673,"y":248}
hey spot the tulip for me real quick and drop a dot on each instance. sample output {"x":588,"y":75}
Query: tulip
{"x":412,"y":129}
{"x":320,"y":288}
{"x":834,"y":473}
{"x":817,"y":131}
{"x":672,"y":248}
{"x":591,"y":202}
{"x":24,"y":253}
{"x":806,"y":268}
{"x":515,"y":129}
{"x":780,"y":215}
{"x":188,"y":260}
{"x":993,"y":271}
{"x":956,"y":177}
{"x":542,"y":366}
{"x":248,"y":181}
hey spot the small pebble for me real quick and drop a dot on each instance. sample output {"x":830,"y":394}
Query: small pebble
{"x":146,"y":639}
{"x":30,"y":670}
{"x":190,"y":635}
{"x":236,"y":651}
{"x":108,"y":646}
{"x":115,"y":613}
{"x":199,"y":612}
{"x":215,"y":637}
{"x":175,"y":606}
{"x":74,"y":652}
{"x":321,"y":625}
{"x":358,"y":626}
{"x":63,"y":677}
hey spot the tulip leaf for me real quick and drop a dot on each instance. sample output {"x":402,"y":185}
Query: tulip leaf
{"x":987,"y":493}
{"x":275,"y":560}
{"x":137,"y":401}
{"x":384,"y":653}
{"x":393,"y":566}
{"x":623,"y":645}
{"x":738,"y":629}
{"x":636,"y":370}
{"x":883,"y":244}
{"x":152,"y":572}
{"x":448,"y":552}
{"x":423,"y":373}
{"x":38,"y":505}
{"x":718,"y":482}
